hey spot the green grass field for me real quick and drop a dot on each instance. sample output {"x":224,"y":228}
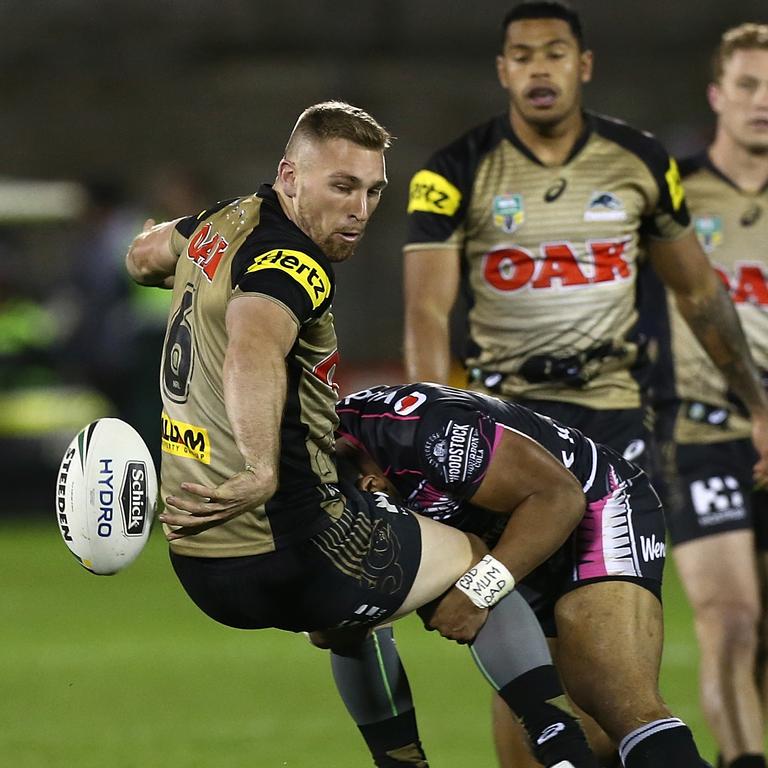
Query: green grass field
{"x":124,"y":672}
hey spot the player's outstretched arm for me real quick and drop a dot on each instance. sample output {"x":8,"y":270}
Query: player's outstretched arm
{"x":150,"y":259}
{"x":709,"y":311}
{"x":431,"y":284}
{"x":261,"y":333}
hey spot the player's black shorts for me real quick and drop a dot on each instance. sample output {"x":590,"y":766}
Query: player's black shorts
{"x":357,"y":571}
{"x":711,"y":492}
{"x":625,"y":430}
{"x":620,"y":538}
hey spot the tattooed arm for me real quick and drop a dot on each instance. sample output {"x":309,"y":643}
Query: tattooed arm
{"x":703,"y":301}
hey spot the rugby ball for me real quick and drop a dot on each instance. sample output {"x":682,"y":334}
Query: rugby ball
{"x":106,"y":494}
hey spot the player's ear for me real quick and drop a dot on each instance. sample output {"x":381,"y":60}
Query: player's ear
{"x":713,"y":97}
{"x":371,"y":483}
{"x":501,"y":72}
{"x":586,"y":63}
{"x":286,"y":173}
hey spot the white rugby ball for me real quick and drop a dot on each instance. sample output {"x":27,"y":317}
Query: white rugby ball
{"x":106,"y":494}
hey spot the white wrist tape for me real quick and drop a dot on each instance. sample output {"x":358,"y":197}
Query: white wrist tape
{"x":486,"y":582}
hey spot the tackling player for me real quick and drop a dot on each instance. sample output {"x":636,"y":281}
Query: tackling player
{"x":540,"y":216}
{"x":511,"y":475}
{"x":717,"y":523}
{"x":262,"y":532}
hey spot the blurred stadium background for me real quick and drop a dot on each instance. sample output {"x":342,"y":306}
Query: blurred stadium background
{"x":117,"y":110}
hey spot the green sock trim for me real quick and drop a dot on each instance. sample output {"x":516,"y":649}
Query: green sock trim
{"x":384,"y":678}
{"x":482,"y":668}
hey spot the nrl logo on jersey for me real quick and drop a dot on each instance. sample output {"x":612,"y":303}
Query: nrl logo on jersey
{"x":709,"y":230}
{"x":508,"y":212}
{"x":605,"y":206}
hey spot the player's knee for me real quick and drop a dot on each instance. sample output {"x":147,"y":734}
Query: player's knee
{"x":729,"y":627}
{"x":618,"y":709}
{"x":343,"y":642}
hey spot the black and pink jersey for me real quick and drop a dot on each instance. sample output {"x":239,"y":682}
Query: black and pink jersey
{"x":435,"y":443}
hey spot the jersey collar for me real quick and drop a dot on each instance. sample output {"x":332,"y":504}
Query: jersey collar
{"x":509,"y":133}
{"x":706,"y":162}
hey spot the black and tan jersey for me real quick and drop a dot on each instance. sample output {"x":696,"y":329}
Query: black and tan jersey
{"x":732,"y":227}
{"x":435,"y":443}
{"x":550,"y":255}
{"x":242,"y":247}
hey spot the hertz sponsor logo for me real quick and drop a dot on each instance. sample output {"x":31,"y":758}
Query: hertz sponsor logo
{"x":302,"y":268}
{"x":432,"y":193}
{"x":185,"y":440}
{"x":675,"y":184}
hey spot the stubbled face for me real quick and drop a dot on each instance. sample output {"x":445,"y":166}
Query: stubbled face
{"x":542,"y":70}
{"x":740,"y":99}
{"x":336,"y":186}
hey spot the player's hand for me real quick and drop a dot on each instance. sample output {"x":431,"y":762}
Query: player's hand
{"x":760,"y":441}
{"x":209,"y":507}
{"x":454,"y":616}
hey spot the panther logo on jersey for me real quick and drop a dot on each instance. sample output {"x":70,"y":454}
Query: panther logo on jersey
{"x":605,"y":206}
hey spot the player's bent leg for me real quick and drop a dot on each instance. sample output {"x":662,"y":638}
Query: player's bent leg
{"x":446,"y":554}
{"x":512,"y":653}
{"x":720,"y":577}
{"x":513,"y":748}
{"x":609,"y":653}
{"x":761,"y":665}
{"x":374,"y":687}
{"x":512,"y":744}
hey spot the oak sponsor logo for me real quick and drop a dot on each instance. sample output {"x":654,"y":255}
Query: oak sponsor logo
{"x":133,"y":498}
{"x":432,"y":193}
{"x":557,"y":266}
{"x":185,"y":440}
{"x":300,"y":267}
{"x":748,"y":284}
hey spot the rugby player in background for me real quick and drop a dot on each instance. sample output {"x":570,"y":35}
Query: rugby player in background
{"x":541,"y":215}
{"x":717,"y":522}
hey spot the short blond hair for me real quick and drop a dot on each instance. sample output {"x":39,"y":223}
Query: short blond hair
{"x":339,"y":120}
{"x":742,"y":38}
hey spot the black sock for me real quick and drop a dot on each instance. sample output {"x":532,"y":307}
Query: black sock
{"x":666,"y":743}
{"x":395,"y":742}
{"x":748,"y":761}
{"x":536,"y":697}
{"x":374,"y":687}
